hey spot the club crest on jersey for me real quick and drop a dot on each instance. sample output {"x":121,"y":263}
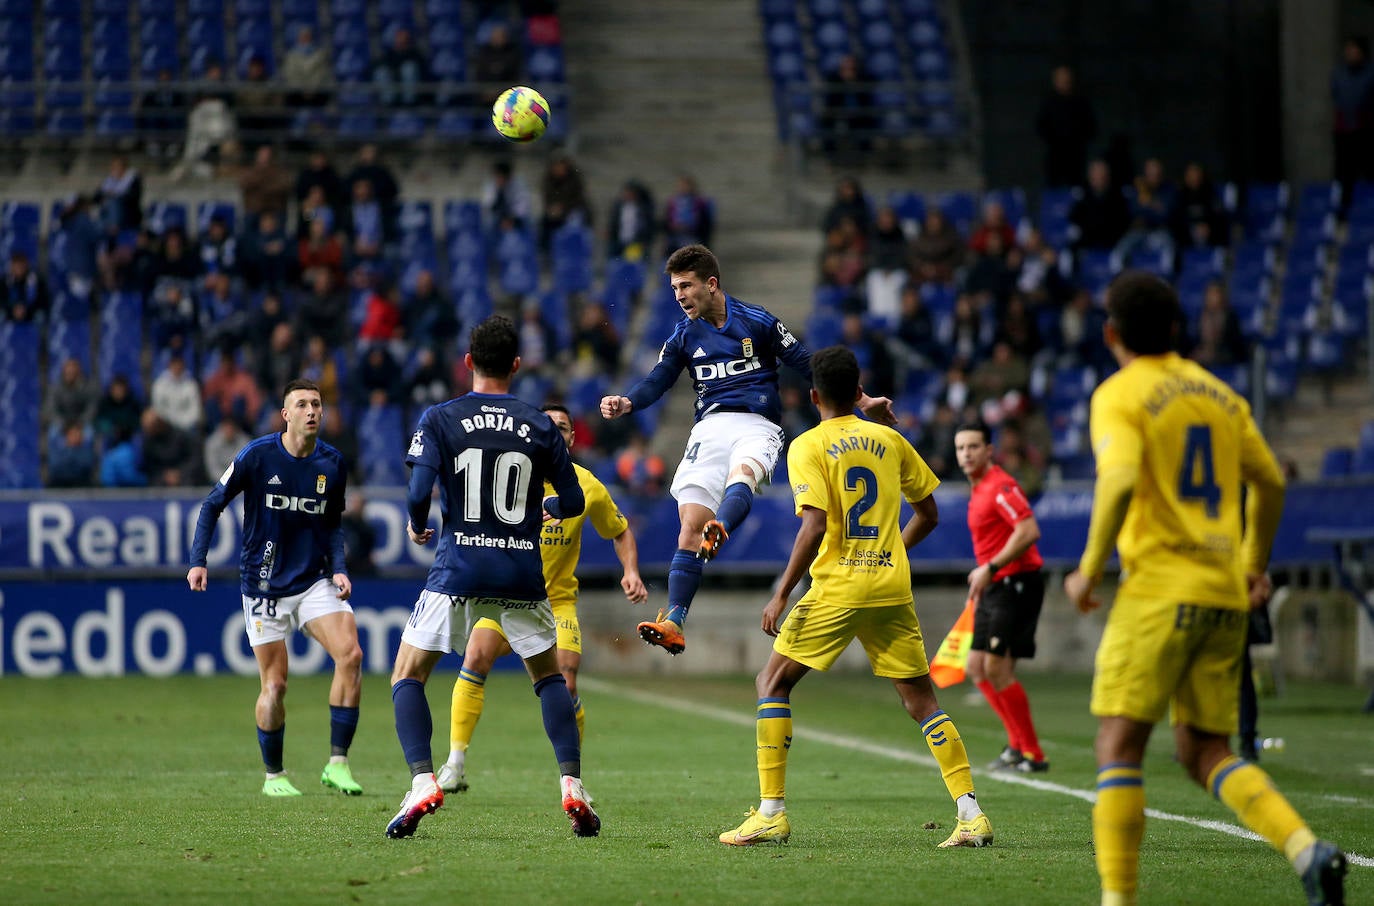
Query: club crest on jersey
{"x":319,"y":484}
{"x":747,"y":347}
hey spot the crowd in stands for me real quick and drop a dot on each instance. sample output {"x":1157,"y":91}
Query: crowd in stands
{"x":961,"y":309}
{"x":199,"y":319}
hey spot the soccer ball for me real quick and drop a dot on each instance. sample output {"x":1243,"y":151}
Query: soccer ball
{"x":520,"y":114}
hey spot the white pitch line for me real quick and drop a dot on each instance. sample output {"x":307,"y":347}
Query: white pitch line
{"x":903,"y":755}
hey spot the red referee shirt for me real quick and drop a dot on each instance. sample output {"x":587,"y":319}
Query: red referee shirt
{"x":994,"y":508}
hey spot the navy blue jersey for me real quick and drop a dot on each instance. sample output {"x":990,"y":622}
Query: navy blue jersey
{"x":735,"y":367}
{"x":492,"y":453}
{"x":292,"y":509}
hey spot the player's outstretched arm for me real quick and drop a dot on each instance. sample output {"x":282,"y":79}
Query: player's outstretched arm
{"x":627,"y":551}
{"x":198,"y":577}
{"x":615,"y":406}
{"x":877,"y":408}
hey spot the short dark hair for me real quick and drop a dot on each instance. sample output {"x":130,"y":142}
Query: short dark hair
{"x":693,"y":259}
{"x":494,"y":346}
{"x":299,"y":383}
{"x":835,"y":375}
{"x":978,"y":426}
{"x":1145,"y":310}
{"x":556,"y":407}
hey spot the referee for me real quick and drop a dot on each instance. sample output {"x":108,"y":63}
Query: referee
{"x":1009,"y":590}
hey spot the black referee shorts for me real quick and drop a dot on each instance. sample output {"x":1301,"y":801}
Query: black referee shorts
{"x":1004,"y":623}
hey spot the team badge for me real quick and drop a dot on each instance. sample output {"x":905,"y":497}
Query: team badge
{"x":747,"y":347}
{"x":319,"y":484}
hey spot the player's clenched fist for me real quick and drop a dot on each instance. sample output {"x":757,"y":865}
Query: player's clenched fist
{"x":615,"y":406}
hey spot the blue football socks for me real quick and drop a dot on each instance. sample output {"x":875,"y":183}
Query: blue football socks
{"x":414,"y":725}
{"x":684,"y":578}
{"x":735,"y":506}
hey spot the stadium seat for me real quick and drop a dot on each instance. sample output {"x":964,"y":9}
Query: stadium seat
{"x":1338,"y":462}
{"x":1266,"y":210}
{"x":405,"y":125}
{"x":545,"y":64}
{"x":1055,"y":204}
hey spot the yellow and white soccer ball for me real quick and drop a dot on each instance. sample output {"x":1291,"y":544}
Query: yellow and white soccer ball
{"x":520,"y":114}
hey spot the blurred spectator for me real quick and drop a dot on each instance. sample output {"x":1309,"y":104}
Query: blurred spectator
{"x":82,"y":240}
{"x":1080,"y":333}
{"x":887,"y":266}
{"x":263,"y":319}
{"x":429,"y":312}
{"x":426,"y":380}
{"x":162,"y":118}
{"x":218,"y":248}
{"x":382,"y":314}
{"x":120,"y":466}
{"x":266,"y":187}
{"x":1150,"y":205}
{"x":537,"y":343}
{"x":325,"y":369}
{"x":259,"y":103}
{"x":849,"y":201}
{"x":211,"y":128}
{"x":847,"y":119}
{"x":176,"y":396}
{"x":989,"y":279}
{"x":1198,"y":217}
{"x":280,"y":362}
{"x":875,"y":364}
{"x":171,"y":310}
{"x":938,"y":250}
{"x":915,"y":341}
{"x":305,"y":71}
{"x":120,"y":196}
{"x":565,"y":198}
{"x":223,"y":312}
{"x":505,"y":197}
{"x":367,"y":224}
{"x":844,"y":257}
{"x":360,"y":538}
{"x":223,"y":444}
{"x":118,"y":409}
{"x":497,"y":62}
{"x":596,"y":343}
{"x":231,"y":392}
{"x":267,"y":257}
{"x":176,"y":260}
{"x":937,"y":441}
{"x":1038,"y":276}
{"x":378,"y":373}
{"x":401,"y":72}
{"x":1352,"y":97}
{"x":320,"y":253}
{"x":1100,"y":216}
{"x":168,"y":453}
{"x":336,"y":432}
{"x":639,"y":469}
{"x":994,"y":223}
{"x":967,"y":335}
{"x":1015,"y":456}
{"x":318,"y":173}
{"x":1219,"y":338}
{"x":1017,"y":328}
{"x":1003,"y":372}
{"x":23,"y":294}
{"x":630,"y":226}
{"x":71,"y":459}
{"x":798,"y":415}
{"x":72,"y":397}
{"x":1067,"y":125}
{"x":323,"y":310}
{"x":688,"y":216}
{"x":368,"y":166}
{"x":129,"y":266}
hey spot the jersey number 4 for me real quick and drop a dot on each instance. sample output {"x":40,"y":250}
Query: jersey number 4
{"x":509,"y":487}
{"x":1197,"y":478}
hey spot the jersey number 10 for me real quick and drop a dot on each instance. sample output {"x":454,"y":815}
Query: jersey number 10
{"x":509,"y":487}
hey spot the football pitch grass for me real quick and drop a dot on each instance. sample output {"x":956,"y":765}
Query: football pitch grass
{"x":140,"y":790}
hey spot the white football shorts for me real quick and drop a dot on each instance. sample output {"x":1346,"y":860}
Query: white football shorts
{"x":442,"y":622}
{"x":273,"y":619}
{"x":718,"y":443}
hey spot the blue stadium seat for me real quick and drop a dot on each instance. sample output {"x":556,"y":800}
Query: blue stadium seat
{"x":1013,"y":202}
{"x":155,"y":59}
{"x":208,"y":210}
{"x":784,"y":34}
{"x":352,"y":65}
{"x":1338,"y":462}
{"x":933,"y":63}
{"x":831,"y":35}
{"x":252,"y":9}
{"x":68,"y":338}
{"x":112,"y":63}
{"x":545,"y":64}
{"x":115,"y":124}
{"x":358,"y":125}
{"x":910,"y":208}
{"x":445,"y":34}
{"x":110,"y":7}
{"x":437,"y":10}
{"x":1266,"y":210}
{"x":62,"y":62}
{"x":405,"y":125}
{"x":211,"y":9}
{"x":518,"y":277}
{"x":925,"y":34}
{"x":396,"y":10}
{"x":960,"y":209}
{"x":462,"y":216}
{"x":1055,"y":204}
{"x":787,"y":67}
{"x":1158,"y":261}
{"x":209,"y":34}
{"x":877,"y":34}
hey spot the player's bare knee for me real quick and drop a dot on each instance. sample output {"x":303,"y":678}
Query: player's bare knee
{"x":350,"y":660}
{"x":274,"y":689}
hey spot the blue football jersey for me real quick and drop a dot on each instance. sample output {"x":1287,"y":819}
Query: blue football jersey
{"x":492,"y":453}
{"x":291,"y":516}
{"x":734,"y":368}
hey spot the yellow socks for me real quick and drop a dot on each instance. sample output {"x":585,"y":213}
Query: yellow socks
{"x":773,"y":731}
{"x":469,"y":695}
{"x":1118,"y":825}
{"x":1249,"y":792}
{"x":948,"y":748}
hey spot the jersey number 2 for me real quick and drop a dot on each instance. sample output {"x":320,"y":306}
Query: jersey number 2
{"x":509,"y":488}
{"x":854,"y":478}
{"x":1197,"y":479}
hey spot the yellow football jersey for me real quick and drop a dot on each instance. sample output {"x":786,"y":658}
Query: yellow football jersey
{"x":561,"y":541}
{"x":858,"y":472}
{"x":1194,"y":444}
